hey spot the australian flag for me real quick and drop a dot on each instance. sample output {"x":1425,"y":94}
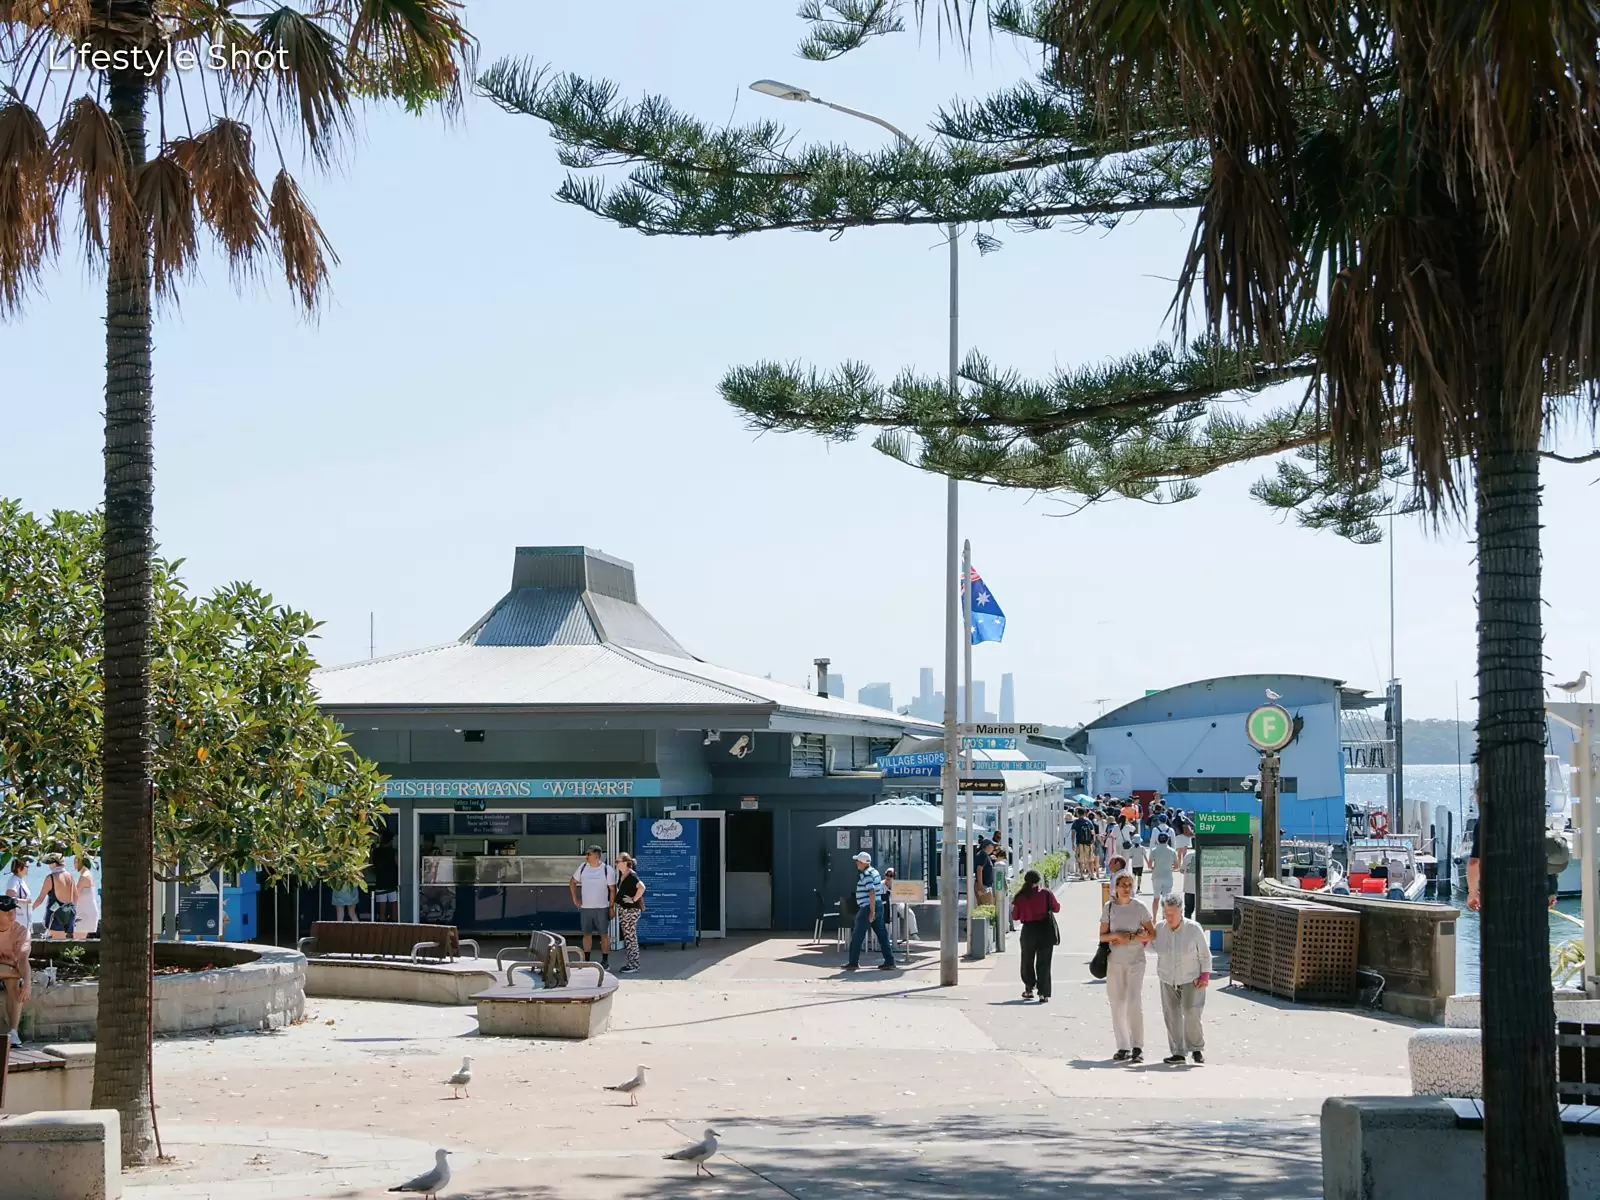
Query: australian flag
{"x":988,"y":622}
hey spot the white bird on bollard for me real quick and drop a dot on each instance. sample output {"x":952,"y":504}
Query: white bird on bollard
{"x":1272,"y":695}
{"x":1576,"y":686}
{"x":462,"y":1079}
{"x":699,"y":1153}
{"x":633,"y":1089}
{"x":434,"y":1181}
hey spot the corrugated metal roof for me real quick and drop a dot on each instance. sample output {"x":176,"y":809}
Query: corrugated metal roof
{"x":538,"y":617}
{"x":791,"y":698}
{"x":468,"y":676}
{"x":630,"y":625}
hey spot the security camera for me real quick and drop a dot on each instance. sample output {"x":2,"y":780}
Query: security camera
{"x":712,"y":735}
{"x":1251,"y":783}
{"x":741,"y":747}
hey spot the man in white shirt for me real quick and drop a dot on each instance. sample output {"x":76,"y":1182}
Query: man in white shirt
{"x":1183,"y":965}
{"x":594,"y":890}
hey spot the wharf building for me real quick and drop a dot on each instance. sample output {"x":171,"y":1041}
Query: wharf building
{"x":1186,"y":745}
{"x":567,"y":716}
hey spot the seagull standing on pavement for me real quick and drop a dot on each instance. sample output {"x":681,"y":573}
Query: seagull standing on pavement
{"x":434,"y":1181}
{"x":699,"y":1153}
{"x":633,"y":1089}
{"x":461,"y":1079}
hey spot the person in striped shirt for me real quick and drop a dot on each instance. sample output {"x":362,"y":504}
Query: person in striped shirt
{"x":870,"y":911}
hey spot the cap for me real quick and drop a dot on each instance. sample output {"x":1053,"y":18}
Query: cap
{"x":864,"y":857}
{"x":7,"y":903}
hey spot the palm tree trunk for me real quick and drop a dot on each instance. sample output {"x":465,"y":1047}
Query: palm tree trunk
{"x":1523,"y":1142}
{"x":121,"y":1073}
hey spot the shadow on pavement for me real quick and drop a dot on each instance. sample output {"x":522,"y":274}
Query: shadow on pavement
{"x":734,"y":1016}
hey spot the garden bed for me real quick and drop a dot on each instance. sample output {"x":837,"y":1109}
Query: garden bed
{"x":200,"y":987}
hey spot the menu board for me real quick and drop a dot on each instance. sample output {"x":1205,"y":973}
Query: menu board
{"x":669,"y":863}
{"x":1222,"y":870}
{"x":200,"y":907}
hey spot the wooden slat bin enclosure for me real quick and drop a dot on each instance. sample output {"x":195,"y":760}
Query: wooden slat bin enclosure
{"x":1577,"y":1062}
{"x":1295,"y":949}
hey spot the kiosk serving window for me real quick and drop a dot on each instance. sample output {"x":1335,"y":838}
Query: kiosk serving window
{"x":507,"y":871}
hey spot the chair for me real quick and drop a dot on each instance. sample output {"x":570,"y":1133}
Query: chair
{"x":822,"y":919}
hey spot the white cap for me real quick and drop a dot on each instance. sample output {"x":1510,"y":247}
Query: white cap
{"x":864,"y":857}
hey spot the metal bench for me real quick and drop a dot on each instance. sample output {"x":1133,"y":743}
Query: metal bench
{"x":379,"y":939}
{"x":539,"y":957}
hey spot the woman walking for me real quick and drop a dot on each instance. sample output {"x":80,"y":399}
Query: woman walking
{"x":17,"y":887}
{"x":1125,"y":925}
{"x":88,"y":900}
{"x":1034,"y":906}
{"x":630,"y":903}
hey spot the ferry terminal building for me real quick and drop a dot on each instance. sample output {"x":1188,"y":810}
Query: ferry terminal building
{"x":566,"y":716}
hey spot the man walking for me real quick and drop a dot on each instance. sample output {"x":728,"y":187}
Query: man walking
{"x":1083,"y":838}
{"x":594,"y":890}
{"x":1183,"y":965}
{"x":869,"y":913}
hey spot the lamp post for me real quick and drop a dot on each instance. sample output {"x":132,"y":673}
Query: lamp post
{"x":949,"y":969}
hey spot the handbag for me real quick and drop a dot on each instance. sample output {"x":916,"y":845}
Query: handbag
{"x":1055,"y":931}
{"x":1101,"y":963}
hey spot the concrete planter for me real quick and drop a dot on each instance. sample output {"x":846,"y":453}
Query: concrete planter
{"x":250,"y":988}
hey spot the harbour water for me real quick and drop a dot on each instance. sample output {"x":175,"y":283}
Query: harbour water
{"x":1447,"y":786}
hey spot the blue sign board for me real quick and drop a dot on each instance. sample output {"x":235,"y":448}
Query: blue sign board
{"x":989,"y":743}
{"x":519,"y":789}
{"x":911,"y":772}
{"x":488,"y":824}
{"x":1031,"y":764}
{"x":200,"y":908}
{"x":668,"y":854}
{"x":891,"y":762}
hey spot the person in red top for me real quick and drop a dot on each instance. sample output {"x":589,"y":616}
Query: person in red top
{"x":1034,"y":908}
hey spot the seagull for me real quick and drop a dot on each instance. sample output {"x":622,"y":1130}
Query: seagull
{"x":432,"y":1182}
{"x":633,"y":1089}
{"x":461,"y":1079}
{"x":698,"y":1153}
{"x":1576,"y":686}
{"x":1272,"y":695}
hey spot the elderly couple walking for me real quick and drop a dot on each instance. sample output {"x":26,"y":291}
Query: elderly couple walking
{"x":1183,"y":966}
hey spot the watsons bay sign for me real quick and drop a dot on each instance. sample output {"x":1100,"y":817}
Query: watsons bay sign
{"x":518,"y":789}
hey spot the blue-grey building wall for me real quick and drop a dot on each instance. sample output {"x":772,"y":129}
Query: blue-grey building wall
{"x":1197,"y":732}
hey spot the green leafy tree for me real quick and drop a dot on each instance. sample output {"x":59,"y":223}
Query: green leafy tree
{"x":247,"y":770}
{"x":1395,"y":203}
{"x":217,"y":75}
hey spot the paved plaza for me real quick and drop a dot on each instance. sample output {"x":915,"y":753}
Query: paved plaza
{"x":821,"y":1083}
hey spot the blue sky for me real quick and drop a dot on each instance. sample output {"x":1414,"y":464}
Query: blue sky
{"x":498,"y":369}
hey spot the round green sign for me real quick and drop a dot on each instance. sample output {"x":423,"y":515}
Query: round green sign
{"x":1269,"y":728}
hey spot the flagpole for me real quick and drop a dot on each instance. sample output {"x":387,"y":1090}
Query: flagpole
{"x":974,"y":930}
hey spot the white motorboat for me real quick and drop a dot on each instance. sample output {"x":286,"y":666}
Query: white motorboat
{"x":1387,"y":867}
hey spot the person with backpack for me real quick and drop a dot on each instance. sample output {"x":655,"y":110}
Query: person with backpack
{"x":1035,"y":907}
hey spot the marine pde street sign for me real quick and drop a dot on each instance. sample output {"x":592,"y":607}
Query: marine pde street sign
{"x":1012,"y":730}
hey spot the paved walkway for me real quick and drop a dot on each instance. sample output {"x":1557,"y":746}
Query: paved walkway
{"x":823,"y":1084}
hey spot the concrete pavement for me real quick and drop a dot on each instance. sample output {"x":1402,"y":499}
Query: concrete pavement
{"x":822,"y":1083}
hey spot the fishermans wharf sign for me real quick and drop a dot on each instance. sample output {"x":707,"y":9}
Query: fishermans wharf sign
{"x":519,"y":789}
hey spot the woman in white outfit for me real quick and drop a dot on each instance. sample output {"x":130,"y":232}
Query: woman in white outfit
{"x":88,"y":900}
{"x":1126,"y":926}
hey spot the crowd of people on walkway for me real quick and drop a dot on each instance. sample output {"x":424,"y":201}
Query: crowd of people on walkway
{"x":1157,"y":840}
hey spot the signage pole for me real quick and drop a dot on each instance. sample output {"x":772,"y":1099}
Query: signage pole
{"x":1269,"y":816}
{"x":1583,"y":750}
{"x":949,"y":934}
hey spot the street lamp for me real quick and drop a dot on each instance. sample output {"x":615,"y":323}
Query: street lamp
{"x":949,"y":969}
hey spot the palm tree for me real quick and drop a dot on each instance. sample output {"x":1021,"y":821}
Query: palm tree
{"x":74,"y":122}
{"x":1430,"y":169}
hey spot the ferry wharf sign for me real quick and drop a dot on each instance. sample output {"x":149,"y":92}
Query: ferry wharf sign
{"x":519,"y":789}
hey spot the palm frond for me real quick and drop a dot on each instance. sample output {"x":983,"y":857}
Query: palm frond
{"x":165,"y":195}
{"x":312,"y":86}
{"x":221,"y":162}
{"x":304,"y":249}
{"x":89,"y":154}
{"x":415,"y":51}
{"x":29,"y":224}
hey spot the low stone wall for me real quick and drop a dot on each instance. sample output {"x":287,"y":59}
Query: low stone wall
{"x":416,"y":983}
{"x":62,"y":1155}
{"x":1410,"y":943}
{"x":249,"y":988}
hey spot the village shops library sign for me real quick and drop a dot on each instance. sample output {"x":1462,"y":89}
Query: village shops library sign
{"x":519,"y":789}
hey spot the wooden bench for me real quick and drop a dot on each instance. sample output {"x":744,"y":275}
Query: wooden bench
{"x":380,"y":939}
{"x":57,"y":1077}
